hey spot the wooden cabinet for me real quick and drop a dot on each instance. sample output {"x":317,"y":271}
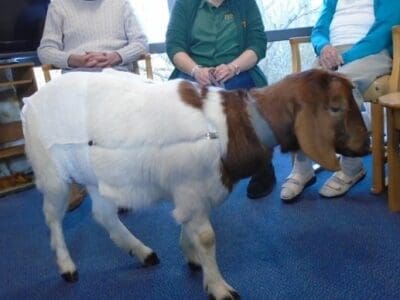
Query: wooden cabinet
{"x":22,"y":81}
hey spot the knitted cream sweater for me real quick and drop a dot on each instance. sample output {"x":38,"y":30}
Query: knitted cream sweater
{"x":79,"y":26}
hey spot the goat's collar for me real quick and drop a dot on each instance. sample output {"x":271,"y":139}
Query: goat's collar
{"x":211,"y":133}
{"x":260,"y":124}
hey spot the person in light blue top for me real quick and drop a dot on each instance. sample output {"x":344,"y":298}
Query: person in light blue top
{"x":354,"y":38}
{"x":378,"y":37}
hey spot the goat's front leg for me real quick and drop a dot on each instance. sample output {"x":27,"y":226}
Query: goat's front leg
{"x":105,"y":212}
{"x":201,"y":234}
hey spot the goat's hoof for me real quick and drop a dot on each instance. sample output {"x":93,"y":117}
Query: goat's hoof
{"x":70,"y":277}
{"x":123,"y":210}
{"x":233,"y":295}
{"x":151,"y":260}
{"x":194,"y":266}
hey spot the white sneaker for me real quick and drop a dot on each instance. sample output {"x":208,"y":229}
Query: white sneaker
{"x":340,"y":183}
{"x":294,"y":184}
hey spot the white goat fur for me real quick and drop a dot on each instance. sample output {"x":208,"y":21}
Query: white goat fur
{"x":148,"y":145}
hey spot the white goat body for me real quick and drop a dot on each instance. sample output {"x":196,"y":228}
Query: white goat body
{"x":130,"y":143}
{"x":146,"y":144}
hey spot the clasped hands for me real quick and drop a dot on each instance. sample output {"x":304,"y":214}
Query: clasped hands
{"x":214,"y":76}
{"x":330,"y":58}
{"x":94,"y":60}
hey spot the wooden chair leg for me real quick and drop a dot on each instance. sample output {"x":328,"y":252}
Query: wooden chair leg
{"x":378,"y":149}
{"x":393,"y":160}
{"x":149,"y":67}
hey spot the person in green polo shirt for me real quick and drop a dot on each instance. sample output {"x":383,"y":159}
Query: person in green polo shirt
{"x":220,"y":42}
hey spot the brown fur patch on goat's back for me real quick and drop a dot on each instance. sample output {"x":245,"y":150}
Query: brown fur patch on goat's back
{"x":245,"y":154}
{"x":190,"y":95}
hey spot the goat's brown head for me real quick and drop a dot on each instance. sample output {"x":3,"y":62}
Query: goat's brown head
{"x":315,"y":111}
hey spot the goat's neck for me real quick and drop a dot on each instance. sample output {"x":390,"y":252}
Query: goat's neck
{"x":278,"y":111}
{"x":261,"y":126}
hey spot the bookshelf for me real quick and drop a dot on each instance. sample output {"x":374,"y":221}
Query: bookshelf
{"x":23,"y":84}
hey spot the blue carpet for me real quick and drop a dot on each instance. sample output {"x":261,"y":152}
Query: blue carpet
{"x":347,"y":248}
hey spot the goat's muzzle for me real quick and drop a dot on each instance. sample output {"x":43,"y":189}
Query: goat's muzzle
{"x":363,"y":150}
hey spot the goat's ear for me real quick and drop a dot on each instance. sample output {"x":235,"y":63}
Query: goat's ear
{"x":316,"y":138}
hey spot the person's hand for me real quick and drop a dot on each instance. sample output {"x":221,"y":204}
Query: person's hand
{"x":114,"y":58}
{"x":94,"y":60}
{"x":330,"y":58}
{"x":224,"y":72}
{"x":202,"y":77}
{"x":104,"y":59}
{"x":80,"y":61}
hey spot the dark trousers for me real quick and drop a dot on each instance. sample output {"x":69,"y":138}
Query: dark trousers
{"x":241,"y":81}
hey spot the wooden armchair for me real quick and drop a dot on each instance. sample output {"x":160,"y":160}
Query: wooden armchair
{"x":46,"y":68}
{"x":391,"y":102}
{"x":378,"y":88}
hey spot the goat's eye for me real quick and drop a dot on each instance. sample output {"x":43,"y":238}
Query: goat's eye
{"x":337,"y":105}
{"x":335,"y":111}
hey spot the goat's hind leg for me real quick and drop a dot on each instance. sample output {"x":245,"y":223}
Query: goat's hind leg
{"x":189,"y":251}
{"x":55,"y":193}
{"x":201,"y":234}
{"x":105,"y":213}
{"x":55,"y":204}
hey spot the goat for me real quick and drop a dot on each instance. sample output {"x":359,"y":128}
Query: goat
{"x":132,"y":143}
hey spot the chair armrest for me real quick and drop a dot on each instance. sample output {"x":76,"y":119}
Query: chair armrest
{"x":295,"y":49}
{"x":148,"y":67}
{"x":46,"y":68}
{"x":46,"y":72}
{"x":391,"y":100}
{"x":380,"y":86}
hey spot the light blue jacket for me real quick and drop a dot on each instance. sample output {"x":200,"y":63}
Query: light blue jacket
{"x":378,"y":38}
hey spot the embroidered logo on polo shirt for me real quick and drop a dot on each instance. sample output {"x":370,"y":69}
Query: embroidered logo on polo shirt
{"x":228,"y":17}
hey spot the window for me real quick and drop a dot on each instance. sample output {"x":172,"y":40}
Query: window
{"x":153,"y":16}
{"x":285,"y":14}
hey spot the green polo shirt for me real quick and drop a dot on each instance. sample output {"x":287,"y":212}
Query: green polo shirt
{"x":215,"y":35}
{"x":242,"y":16}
